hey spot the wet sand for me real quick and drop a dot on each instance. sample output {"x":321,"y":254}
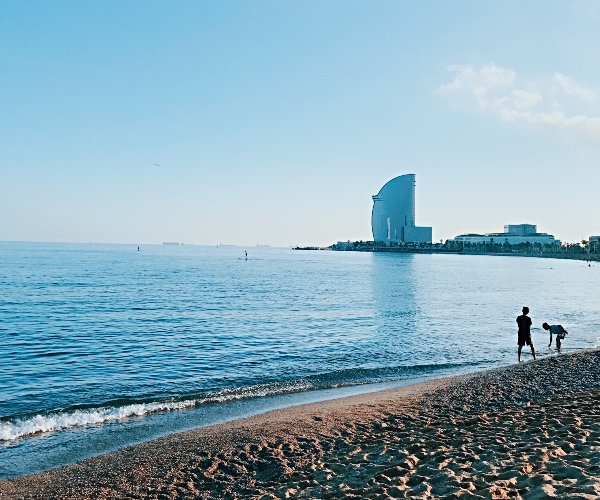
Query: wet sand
{"x":525,"y":431}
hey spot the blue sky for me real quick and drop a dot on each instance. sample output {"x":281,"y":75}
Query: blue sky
{"x":275,"y":122}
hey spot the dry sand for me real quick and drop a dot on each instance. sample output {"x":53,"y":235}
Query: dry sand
{"x":525,"y":431}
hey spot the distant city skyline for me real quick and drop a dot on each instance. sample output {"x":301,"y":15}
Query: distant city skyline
{"x":274,"y":123}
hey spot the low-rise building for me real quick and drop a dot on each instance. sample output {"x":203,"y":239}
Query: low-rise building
{"x":514,"y":234}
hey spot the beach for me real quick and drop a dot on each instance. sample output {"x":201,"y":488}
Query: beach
{"x":523,"y":431}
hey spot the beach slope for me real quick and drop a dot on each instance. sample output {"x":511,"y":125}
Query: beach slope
{"x":524,"y":431}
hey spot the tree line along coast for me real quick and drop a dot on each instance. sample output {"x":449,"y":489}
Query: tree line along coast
{"x":577,"y":251}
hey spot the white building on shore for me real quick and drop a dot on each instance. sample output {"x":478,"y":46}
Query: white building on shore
{"x":513,"y":234}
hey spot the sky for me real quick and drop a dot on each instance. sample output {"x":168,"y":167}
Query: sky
{"x":273,"y":123}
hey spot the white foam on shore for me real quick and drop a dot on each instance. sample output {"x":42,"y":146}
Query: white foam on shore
{"x":10,"y":431}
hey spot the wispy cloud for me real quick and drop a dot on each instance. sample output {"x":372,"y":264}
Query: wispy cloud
{"x":556,"y":101}
{"x":571,"y":87}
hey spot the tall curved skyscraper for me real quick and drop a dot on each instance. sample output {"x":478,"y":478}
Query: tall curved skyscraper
{"x":393,"y":216}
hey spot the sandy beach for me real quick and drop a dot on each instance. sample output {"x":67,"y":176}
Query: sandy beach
{"x":525,"y":431}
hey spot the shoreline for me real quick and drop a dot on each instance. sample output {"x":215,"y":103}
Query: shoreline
{"x":51,"y":449}
{"x":443,"y":251}
{"x":523,"y":429}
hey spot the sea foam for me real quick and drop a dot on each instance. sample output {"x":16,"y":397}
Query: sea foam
{"x":22,"y":427}
{"x":10,"y":431}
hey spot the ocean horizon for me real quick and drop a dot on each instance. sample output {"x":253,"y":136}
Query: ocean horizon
{"x":104,"y":346}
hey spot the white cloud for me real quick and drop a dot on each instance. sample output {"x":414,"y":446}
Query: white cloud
{"x":522,"y":99}
{"x":573,"y":88}
{"x":478,"y":82}
{"x":551,"y":102}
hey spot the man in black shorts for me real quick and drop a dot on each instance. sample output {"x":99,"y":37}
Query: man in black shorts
{"x":524,"y":323}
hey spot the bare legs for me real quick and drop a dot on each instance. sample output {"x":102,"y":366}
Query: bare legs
{"x":532,"y":351}
{"x":557,"y":342}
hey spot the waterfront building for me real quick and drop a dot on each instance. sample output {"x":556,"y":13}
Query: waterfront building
{"x":594,"y":244}
{"x":393,"y":215}
{"x":513,"y":234}
{"x":520,"y":229}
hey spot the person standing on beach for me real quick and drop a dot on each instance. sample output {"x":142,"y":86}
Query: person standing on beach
{"x":524,"y":323}
{"x":557,"y":330}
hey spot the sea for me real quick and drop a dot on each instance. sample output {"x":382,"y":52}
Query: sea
{"x":105,"y":346}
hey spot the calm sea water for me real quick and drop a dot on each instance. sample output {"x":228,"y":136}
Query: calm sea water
{"x":103,"y":345}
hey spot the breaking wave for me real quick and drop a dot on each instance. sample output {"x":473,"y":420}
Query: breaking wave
{"x":13,"y":429}
{"x":27,"y":426}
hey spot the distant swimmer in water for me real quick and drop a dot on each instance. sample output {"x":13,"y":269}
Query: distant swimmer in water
{"x":138,"y":249}
{"x":524,"y":323}
{"x":557,"y":330}
{"x":246,"y":252}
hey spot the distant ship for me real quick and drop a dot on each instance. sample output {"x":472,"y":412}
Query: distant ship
{"x":266,"y":246}
{"x":170,"y":243}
